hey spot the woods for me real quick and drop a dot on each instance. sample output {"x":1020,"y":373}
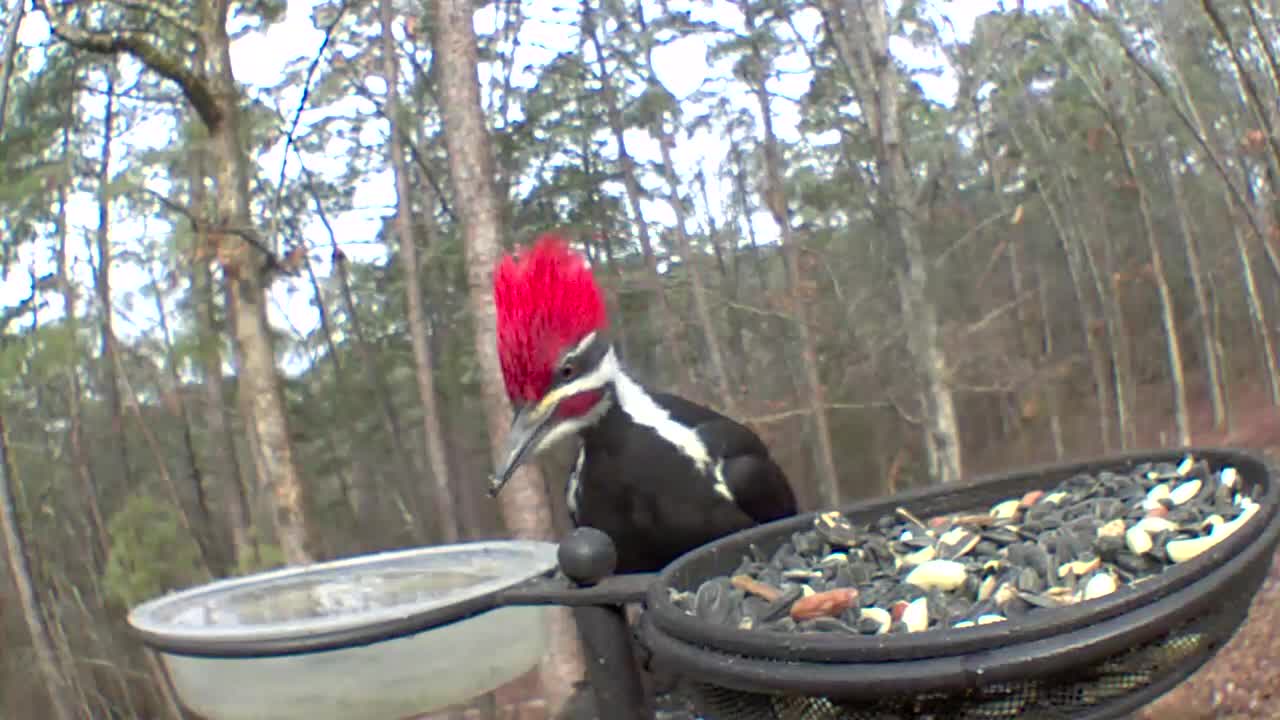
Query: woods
{"x":247,"y":254}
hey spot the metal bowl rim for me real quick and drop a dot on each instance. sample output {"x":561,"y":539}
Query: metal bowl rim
{"x":828,"y":647}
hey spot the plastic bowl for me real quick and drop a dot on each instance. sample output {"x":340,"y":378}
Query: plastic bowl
{"x":387,"y":635}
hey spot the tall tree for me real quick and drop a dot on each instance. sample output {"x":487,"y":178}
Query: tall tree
{"x":664,"y":322}
{"x":102,"y":274}
{"x":224,"y":464}
{"x":424,"y":363}
{"x":100,"y":545}
{"x":525,"y":506}
{"x":668,"y":109}
{"x":20,"y":573}
{"x":247,"y":263}
{"x":861,"y":32}
{"x":776,"y":201}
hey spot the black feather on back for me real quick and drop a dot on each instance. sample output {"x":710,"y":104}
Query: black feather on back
{"x":652,"y":500}
{"x":758,"y":485}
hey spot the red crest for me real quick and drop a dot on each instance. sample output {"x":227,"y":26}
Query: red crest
{"x":547,"y":301}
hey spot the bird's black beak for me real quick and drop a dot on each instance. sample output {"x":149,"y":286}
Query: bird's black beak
{"x":529,"y":426}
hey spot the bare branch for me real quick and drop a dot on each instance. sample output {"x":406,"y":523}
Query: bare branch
{"x":968,"y":235}
{"x":194,"y":86}
{"x":765,"y":312}
{"x":1256,"y":103}
{"x":996,"y":312}
{"x":38,"y":283}
{"x":302,"y":103}
{"x":797,"y":412}
{"x":1196,"y":132}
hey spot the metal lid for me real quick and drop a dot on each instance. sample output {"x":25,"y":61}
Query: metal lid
{"x":343,"y":603}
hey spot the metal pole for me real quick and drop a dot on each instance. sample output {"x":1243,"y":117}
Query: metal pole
{"x":586,"y":557}
{"x":612,"y":671}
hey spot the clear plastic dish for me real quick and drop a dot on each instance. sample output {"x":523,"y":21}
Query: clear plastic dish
{"x":387,"y":635}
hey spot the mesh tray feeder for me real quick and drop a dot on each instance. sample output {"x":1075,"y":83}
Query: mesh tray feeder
{"x":1101,"y":658}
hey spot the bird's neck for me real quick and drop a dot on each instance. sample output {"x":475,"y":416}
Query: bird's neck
{"x":632,"y":407}
{"x":623,"y":398}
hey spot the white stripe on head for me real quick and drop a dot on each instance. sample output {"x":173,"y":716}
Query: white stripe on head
{"x":600,"y":376}
{"x":582,"y":345}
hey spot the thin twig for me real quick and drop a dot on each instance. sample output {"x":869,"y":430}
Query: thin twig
{"x":787,"y":414}
{"x":302,"y":103}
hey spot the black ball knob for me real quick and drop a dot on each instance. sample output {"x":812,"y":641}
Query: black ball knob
{"x":587,"y":556}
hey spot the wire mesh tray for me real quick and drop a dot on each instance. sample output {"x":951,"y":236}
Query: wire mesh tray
{"x":1097,"y":659}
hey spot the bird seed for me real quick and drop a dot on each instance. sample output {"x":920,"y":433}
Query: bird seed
{"x":1088,"y":537}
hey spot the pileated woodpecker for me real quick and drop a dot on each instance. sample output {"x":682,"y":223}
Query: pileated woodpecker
{"x":659,"y":474}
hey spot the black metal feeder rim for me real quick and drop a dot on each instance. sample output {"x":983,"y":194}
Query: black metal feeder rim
{"x":968,"y":671}
{"x":312,"y":636}
{"x":828,"y":647}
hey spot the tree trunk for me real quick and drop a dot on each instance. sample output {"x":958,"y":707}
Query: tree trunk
{"x":20,"y":574}
{"x":1258,"y":313}
{"x":102,"y":278}
{"x":349,"y":484}
{"x":664,"y":323}
{"x":829,"y":478}
{"x":702,"y":308}
{"x":406,"y":477}
{"x":10,"y":55}
{"x":774,"y":193}
{"x":162,"y":467}
{"x":1173,"y":345}
{"x":524,"y":503}
{"x":209,"y":86}
{"x":599,"y":242}
{"x":224,"y":461}
{"x":246,"y":272}
{"x":1258,"y":106}
{"x":897,"y":198}
{"x":728,"y":266}
{"x":692,"y":265}
{"x":1037,"y":346}
{"x":171,"y":388}
{"x":100,"y":548}
{"x":1117,"y":323}
{"x":1051,"y":385}
{"x":1084,"y":273}
{"x":777,"y":325}
{"x":1208,"y":331}
{"x":78,"y":688}
{"x":424,"y":363}
{"x":1159,"y":278}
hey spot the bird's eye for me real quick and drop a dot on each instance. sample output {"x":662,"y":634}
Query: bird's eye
{"x":566,"y":371}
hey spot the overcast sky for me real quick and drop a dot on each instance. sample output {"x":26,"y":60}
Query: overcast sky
{"x":259,"y":58}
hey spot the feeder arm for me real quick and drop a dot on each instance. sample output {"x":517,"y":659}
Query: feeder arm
{"x":598,"y":598}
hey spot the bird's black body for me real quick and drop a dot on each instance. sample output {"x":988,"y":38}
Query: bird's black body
{"x":651,"y":497}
